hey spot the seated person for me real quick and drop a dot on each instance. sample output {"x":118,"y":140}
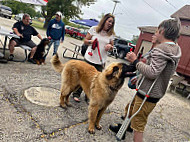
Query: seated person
{"x":24,"y":31}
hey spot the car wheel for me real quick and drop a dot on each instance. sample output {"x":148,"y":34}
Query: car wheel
{"x":121,"y":54}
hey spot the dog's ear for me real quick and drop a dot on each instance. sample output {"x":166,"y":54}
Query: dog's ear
{"x":42,"y":41}
{"x":113,"y":73}
{"x":46,"y":41}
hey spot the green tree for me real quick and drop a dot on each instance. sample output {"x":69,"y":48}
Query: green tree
{"x":38,"y":14}
{"x":19,"y":7}
{"x":69,"y":8}
{"x":135,"y":38}
{"x":30,"y":11}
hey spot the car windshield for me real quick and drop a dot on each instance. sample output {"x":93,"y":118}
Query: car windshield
{"x":83,"y":32}
{"x":6,"y":8}
{"x":76,"y":30}
{"x":119,"y":41}
{"x":21,"y":15}
{"x":123,"y":42}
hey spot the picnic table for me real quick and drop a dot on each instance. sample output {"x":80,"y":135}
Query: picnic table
{"x":7,"y":34}
{"x":76,"y":50}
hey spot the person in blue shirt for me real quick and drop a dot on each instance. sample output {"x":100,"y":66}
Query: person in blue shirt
{"x":56,"y":32}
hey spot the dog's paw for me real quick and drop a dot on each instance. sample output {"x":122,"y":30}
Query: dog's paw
{"x":63,"y":106}
{"x":43,"y":63}
{"x":91,"y":131}
{"x":98,"y":127}
{"x":69,"y":104}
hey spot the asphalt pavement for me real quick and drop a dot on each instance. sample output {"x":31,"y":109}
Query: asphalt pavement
{"x":35,"y":116}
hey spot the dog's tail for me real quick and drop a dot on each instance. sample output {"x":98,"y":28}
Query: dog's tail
{"x":56,"y":63}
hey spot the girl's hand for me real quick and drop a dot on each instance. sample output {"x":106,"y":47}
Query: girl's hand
{"x":131,"y":57}
{"x":108,"y":47}
{"x":90,"y":42}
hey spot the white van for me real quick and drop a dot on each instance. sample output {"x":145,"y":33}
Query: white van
{"x":5,"y":11}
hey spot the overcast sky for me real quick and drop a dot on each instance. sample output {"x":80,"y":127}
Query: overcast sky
{"x":131,"y":14}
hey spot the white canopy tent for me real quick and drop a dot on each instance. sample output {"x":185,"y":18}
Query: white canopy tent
{"x":35,"y":2}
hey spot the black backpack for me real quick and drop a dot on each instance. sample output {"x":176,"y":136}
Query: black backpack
{"x":84,"y":48}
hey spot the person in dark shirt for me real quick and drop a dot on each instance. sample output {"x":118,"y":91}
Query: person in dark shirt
{"x":56,"y":31}
{"x":24,"y":31}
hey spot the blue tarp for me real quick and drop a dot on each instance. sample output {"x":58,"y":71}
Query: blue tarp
{"x":86,"y":22}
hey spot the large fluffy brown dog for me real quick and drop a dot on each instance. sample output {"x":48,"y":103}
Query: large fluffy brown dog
{"x":100,"y":87}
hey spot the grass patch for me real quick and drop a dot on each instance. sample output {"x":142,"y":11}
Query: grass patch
{"x":38,"y":24}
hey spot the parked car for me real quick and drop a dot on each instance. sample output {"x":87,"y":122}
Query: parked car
{"x":81,"y":35}
{"x":5,"y":11}
{"x":19,"y":16}
{"x":113,"y":52}
{"x":74,"y":32}
{"x":66,"y":29}
{"x":122,"y":46}
{"x":71,"y":31}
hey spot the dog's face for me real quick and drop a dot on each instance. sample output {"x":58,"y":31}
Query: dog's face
{"x":116,"y":72}
{"x":45,"y":41}
{"x":42,"y":45}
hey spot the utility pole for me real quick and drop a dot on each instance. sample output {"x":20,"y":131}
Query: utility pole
{"x":116,"y":1}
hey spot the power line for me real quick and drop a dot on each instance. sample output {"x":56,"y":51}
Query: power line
{"x":185,"y":14}
{"x":129,"y":28}
{"x":155,"y":9}
{"x":127,"y":13}
{"x":171,"y":4}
